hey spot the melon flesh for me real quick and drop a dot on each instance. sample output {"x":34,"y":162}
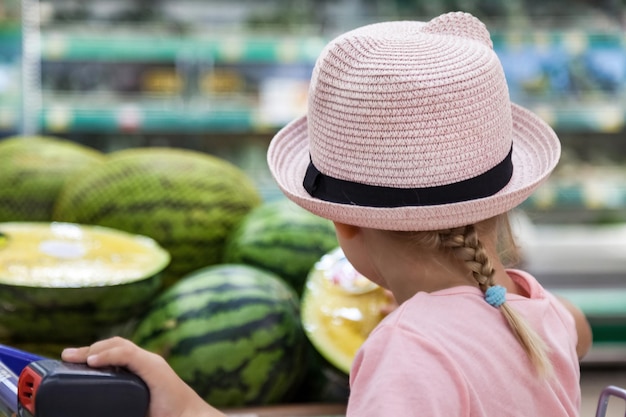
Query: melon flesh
{"x":340,"y":308}
{"x":68,"y":283}
{"x":68,"y":255}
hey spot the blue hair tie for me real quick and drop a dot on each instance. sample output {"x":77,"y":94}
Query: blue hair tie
{"x":495,"y":295}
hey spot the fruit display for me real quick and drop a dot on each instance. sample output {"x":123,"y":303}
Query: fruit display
{"x":188,"y":201}
{"x":282,"y":238}
{"x":32,"y":172}
{"x":232,"y":332}
{"x":68,"y":283}
{"x":176,"y":250}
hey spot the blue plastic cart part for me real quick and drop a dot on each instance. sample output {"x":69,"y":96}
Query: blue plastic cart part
{"x":16,"y":359}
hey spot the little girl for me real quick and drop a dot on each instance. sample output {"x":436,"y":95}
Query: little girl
{"x":412,"y":148}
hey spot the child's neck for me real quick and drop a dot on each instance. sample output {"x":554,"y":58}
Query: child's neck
{"x":437,"y":272}
{"x":429,"y":275}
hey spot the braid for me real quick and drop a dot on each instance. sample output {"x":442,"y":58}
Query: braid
{"x":466,"y":246}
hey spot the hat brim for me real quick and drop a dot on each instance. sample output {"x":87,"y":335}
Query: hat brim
{"x":536,"y":151}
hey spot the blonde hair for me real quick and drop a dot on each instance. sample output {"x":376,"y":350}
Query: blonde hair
{"x":464,"y":244}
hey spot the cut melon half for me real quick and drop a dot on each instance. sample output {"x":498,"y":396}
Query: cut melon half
{"x":68,"y":282}
{"x":340,"y":308}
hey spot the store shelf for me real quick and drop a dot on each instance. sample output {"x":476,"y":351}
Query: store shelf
{"x":562,"y":102}
{"x":593,"y":116}
{"x":10,"y":27}
{"x":129,"y":118}
{"x":586,"y":265}
{"x":574,"y":40}
{"x":10,"y":80}
{"x":607,"y":119}
{"x":167,"y":48}
{"x":583,"y":185}
{"x":280,"y":49}
{"x":604,"y":308}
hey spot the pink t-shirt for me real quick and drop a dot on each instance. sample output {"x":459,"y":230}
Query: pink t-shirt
{"x":449,"y":353}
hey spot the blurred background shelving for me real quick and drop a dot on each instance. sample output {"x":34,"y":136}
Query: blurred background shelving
{"x":575,"y":90}
{"x":223,"y":76}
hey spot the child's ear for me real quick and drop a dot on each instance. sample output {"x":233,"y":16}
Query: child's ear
{"x":346,"y":231}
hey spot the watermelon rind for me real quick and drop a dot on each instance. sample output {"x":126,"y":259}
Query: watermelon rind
{"x":61,"y":282}
{"x":232,"y":332}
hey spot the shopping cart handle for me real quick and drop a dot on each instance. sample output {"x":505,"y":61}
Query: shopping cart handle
{"x":16,"y":359}
{"x":53,"y":388}
{"x":605,"y":395}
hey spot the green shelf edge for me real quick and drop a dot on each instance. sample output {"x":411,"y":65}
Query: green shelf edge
{"x":227,"y":49}
{"x":605,"y":309}
{"x":277,"y":48}
{"x":107,"y":118}
{"x":598,"y":303}
{"x":113,"y":120}
{"x":583,"y":119}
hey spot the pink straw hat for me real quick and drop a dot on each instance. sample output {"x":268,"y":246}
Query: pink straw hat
{"x":410,"y":127}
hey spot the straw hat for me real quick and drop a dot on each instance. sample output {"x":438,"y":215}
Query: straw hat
{"x":410,"y":127}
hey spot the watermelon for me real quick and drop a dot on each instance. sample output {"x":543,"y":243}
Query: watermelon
{"x":188,"y":201}
{"x":340,"y":308}
{"x":232,"y":332}
{"x":67,"y":283}
{"x":322,"y":382}
{"x":282,"y":238}
{"x":32,"y":172}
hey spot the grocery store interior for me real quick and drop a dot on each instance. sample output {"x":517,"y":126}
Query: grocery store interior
{"x":222,"y":76}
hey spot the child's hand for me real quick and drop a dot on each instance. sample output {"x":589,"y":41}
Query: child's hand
{"x":169,"y":395}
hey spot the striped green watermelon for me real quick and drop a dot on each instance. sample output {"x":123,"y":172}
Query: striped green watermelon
{"x":68,"y":283}
{"x":33,"y":171}
{"x":282,"y":238}
{"x":188,"y":201}
{"x":232,"y":332}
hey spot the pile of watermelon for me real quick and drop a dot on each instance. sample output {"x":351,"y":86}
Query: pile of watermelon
{"x":186,"y":200}
{"x":227,"y":316}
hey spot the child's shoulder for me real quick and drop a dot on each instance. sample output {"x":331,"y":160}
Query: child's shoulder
{"x":425,"y":313}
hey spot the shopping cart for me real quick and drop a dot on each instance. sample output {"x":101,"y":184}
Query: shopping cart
{"x":12,"y":361}
{"x":605,"y":396}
